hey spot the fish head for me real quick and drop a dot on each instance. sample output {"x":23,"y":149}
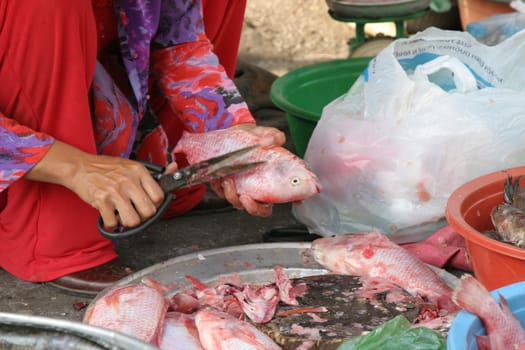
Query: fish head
{"x":289,"y":180}
{"x":347,"y":253}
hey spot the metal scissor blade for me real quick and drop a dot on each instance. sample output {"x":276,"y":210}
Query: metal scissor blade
{"x":225,"y":171}
{"x":227,"y":156}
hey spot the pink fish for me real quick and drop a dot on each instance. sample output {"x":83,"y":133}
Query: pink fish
{"x":180,"y":333}
{"x":221,"y":331}
{"x":374,"y":255}
{"x":137,"y":310}
{"x":283,"y":178}
{"x":504,"y":330}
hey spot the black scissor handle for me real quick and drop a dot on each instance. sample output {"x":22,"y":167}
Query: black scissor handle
{"x":122,"y":232}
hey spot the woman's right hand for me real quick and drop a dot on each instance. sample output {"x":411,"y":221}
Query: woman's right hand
{"x":109,"y":184}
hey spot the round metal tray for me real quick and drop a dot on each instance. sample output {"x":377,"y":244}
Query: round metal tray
{"x":376,"y":9}
{"x":36,"y":332}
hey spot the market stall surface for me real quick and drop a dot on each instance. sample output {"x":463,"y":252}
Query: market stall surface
{"x":162,"y":241}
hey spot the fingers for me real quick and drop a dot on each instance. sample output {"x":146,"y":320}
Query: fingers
{"x":255,"y":208}
{"x":129,"y":208}
{"x":124,"y":193}
{"x":230,"y":193}
{"x":244,"y":202}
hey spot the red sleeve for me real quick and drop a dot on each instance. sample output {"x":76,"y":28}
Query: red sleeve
{"x":197,"y":86}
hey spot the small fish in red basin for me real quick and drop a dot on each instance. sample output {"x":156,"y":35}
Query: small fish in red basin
{"x":504,"y":330}
{"x":283,"y":177}
{"x":508,"y":217}
{"x":374,"y":255}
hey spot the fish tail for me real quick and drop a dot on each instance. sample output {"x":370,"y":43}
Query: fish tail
{"x":472,"y":296}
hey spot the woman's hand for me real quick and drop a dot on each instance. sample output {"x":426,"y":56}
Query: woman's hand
{"x":109,"y":184}
{"x":270,"y":137}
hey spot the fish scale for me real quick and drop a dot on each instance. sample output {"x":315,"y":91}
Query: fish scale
{"x":283,"y":177}
{"x":137,"y":310}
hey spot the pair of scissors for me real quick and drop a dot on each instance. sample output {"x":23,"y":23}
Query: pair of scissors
{"x":202,"y":172}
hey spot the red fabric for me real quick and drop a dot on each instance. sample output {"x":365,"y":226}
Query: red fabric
{"x":445,"y":248}
{"x":223,"y":21}
{"x":47,"y":57}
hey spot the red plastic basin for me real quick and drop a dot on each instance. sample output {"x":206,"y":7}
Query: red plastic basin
{"x":495,"y":264}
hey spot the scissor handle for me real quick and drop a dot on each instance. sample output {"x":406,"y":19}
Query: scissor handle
{"x":122,"y":232}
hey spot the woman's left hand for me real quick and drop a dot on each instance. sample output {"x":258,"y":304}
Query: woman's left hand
{"x":270,"y":137}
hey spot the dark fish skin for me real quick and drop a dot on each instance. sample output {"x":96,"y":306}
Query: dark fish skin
{"x":509,"y":222}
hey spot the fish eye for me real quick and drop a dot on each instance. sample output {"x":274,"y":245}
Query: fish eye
{"x":295,"y":181}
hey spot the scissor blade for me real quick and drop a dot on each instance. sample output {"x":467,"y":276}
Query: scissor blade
{"x":225,"y":171}
{"x":224,"y":157}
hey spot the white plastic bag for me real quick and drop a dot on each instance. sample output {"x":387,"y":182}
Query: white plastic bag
{"x":430,"y":113}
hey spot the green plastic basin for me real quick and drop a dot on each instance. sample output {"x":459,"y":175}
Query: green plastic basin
{"x":302,"y":94}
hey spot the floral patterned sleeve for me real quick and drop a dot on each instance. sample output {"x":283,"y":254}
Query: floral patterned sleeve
{"x":20,"y":149}
{"x":189,"y":73}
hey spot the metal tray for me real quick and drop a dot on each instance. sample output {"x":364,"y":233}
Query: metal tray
{"x":253,"y":263}
{"x":36,"y":332}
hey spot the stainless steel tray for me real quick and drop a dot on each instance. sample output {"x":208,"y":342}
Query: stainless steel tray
{"x":253,"y":263}
{"x":36,"y":332}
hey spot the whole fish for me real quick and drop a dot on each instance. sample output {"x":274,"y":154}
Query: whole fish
{"x":283,"y":178}
{"x":508,"y":217}
{"x":221,"y":331}
{"x":374,"y":255}
{"x":504,"y":330}
{"x":137,"y":310}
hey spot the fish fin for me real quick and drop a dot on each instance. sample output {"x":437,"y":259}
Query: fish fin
{"x":483,"y":342}
{"x":511,"y":189}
